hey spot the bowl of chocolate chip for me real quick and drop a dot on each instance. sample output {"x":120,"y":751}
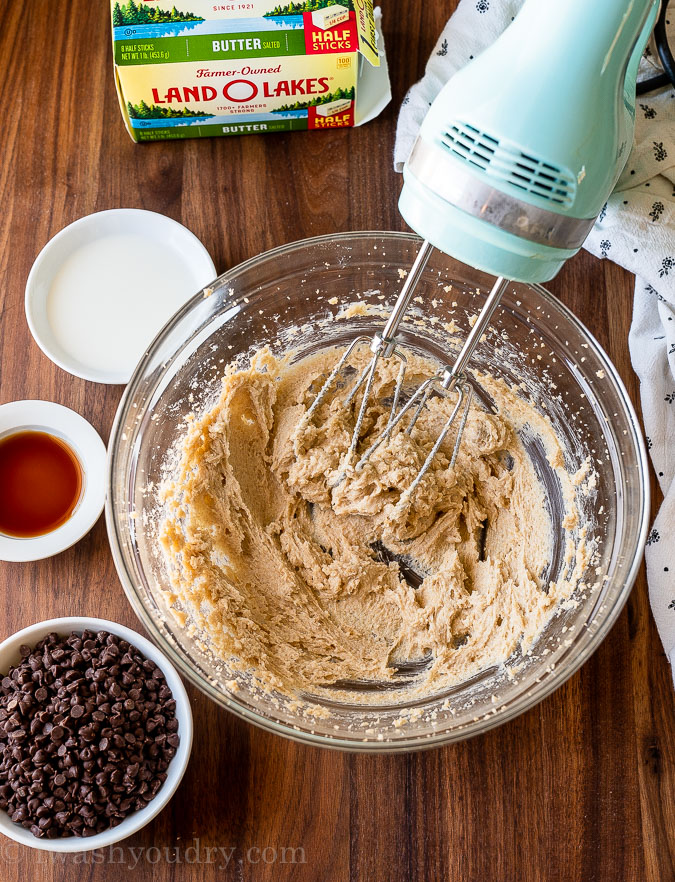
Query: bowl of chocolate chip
{"x":95,"y":734}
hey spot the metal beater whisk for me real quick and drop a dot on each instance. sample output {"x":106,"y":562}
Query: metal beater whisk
{"x":385,"y":345}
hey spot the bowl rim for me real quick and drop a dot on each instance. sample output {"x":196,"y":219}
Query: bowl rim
{"x":549,"y":681}
{"x":30,"y":635}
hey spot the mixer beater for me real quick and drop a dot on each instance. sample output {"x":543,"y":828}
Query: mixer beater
{"x":452,"y":378}
{"x":385,"y":345}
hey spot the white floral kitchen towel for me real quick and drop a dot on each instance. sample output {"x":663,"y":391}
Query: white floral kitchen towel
{"x":636,"y":228}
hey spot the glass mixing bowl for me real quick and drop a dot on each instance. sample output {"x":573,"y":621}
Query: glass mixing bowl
{"x":291,"y":297}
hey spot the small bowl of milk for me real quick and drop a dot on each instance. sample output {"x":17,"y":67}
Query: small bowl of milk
{"x":104,"y":286}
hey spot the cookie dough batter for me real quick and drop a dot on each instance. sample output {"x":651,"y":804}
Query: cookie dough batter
{"x":314,"y":586}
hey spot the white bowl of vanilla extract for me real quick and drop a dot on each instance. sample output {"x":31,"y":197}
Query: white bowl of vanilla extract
{"x":52,"y":479}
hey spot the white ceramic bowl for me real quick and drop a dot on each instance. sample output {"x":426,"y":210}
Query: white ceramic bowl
{"x":84,"y":440}
{"x":9,"y":655}
{"x":154,"y":230}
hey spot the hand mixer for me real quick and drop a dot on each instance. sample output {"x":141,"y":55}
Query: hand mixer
{"x":512,"y":165}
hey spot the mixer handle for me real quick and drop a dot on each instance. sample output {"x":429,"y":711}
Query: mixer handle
{"x":634,"y":61}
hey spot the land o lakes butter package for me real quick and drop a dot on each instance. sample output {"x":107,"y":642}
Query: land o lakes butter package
{"x":210,"y":68}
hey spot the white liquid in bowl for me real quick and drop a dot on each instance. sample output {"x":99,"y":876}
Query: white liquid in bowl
{"x":111,"y":297}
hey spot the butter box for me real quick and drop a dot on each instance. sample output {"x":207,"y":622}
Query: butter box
{"x":211,"y":68}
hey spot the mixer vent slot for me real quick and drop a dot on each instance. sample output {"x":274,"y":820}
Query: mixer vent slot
{"x":508,"y":164}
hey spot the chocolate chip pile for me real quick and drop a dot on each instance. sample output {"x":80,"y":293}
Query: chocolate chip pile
{"x":87,"y":731}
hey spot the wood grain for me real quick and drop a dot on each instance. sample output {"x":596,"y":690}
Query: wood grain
{"x":580,"y":788}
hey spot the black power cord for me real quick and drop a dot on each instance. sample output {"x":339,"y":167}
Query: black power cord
{"x":667,"y":78}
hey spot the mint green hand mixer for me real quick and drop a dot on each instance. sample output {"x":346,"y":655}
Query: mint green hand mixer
{"x":512,"y":165}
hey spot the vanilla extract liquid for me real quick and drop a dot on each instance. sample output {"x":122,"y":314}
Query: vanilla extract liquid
{"x":40,"y":483}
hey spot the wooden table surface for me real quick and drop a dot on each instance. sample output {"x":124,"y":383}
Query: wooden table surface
{"x":580,"y":788}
